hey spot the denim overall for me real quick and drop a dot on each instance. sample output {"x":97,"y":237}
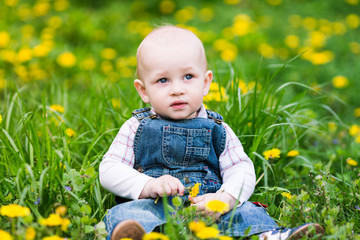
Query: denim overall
{"x":189,"y":150}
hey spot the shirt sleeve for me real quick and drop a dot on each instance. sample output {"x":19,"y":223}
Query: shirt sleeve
{"x":236,"y":168}
{"x":116,"y":171}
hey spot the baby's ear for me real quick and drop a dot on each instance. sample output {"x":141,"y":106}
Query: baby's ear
{"x":208,"y":79}
{"x":140,"y":87}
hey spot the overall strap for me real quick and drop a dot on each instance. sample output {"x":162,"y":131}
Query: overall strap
{"x":215,"y":116}
{"x":142,"y":113}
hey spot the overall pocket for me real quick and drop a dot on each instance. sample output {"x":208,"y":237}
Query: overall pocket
{"x":184,"y":147}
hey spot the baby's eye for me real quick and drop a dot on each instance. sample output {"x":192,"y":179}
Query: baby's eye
{"x":162,"y":80}
{"x":188,"y":76}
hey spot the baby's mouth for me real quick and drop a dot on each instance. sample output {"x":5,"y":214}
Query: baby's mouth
{"x":178,"y":104}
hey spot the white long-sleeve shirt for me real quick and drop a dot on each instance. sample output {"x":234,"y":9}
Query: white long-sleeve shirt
{"x":118,"y":176}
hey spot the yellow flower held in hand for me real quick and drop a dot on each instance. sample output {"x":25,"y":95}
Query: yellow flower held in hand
{"x":14,"y":210}
{"x":195,"y":190}
{"x":217,"y":206}
{"x":272,"y":153}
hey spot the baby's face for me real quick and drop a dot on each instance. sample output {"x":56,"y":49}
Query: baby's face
{"x":174,"y":78}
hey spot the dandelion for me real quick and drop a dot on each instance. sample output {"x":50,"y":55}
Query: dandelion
{"x":340,"y":81}
{"x":272,"y":153}
{"x":232,"y":2}
{"x":52,"y":220}
{"x":353,"y":21}
{"x":356,"y":113}
{"x":155,"y":236}
{"x":88,"y":63}
{"x":167,"y":6}
{"x":351,"y":162}
{"x":274,"y":2}
{"x":14,"y":210}
{"x":352,"y":2}
{"x":25,"y":54}
{"x":225,"y":238}
{"x":0,"y":118}
{"x":217,"y":206}
{"x":5,"y":235}
{"x":320,"y":58}
{"x":70,"y":132}
{"x":108,"y":53}
{"x":266,"y":50}
{"x":197,"y":226}
{"x":65,"y":224}
{"x":30,"y":233}
{"x":195,"y":190}
{"x":61,"y":5}
{"x":4,"y":39}
{"x":60,"y":210}
{"x":208,"y":232}
{"x":115,"y":103}
{"x":186,"y":14}
{"x":354,"y":130}
{"x":57,"y":108}
{"x":242,"y":25}
{"x":55,"y":237}
{"x":66,"y":59}
{"x":292,"y":41}
{"x":292,"y":153}
{"x":206,"y":14}
{"x":286,"y":194}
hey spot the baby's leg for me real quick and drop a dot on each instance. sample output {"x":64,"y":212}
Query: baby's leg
{"x":246,"y":216}
{"x":145,"y":211}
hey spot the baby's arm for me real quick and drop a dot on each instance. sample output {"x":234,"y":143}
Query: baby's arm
{"x":157,"y":187}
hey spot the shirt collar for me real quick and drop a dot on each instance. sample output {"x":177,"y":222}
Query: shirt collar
{"x":201,"y":113}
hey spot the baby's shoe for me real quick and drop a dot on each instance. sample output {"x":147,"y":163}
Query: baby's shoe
{"x":128,"y":229}
{"x":305,"y":230}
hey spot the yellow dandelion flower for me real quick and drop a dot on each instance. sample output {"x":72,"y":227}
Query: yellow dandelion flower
{"x":317,"y":39}
{"x":30,"y":233}
{"x":274,"y":2}
{"x":352,"y":2}
{"x":228,"y":55}
{"x":354,"y":130}
{"x":4,"y":39}
{"x":88,"y":63}
{"x":167,"y":6}
{"x":70,"y":132}
{"x":340,"y":81}
{"x":352,"y":162}
{"x":292,"y":41}
{"x":65,"y":224}
{"x":0,"y":118}
{"x":332,"y":126}
{"x":197,"y":226}
{"x":293,"y":153}
{"x":357,"y":112}
{"x":186,"y":14}
{"x":14,"y":210}
{"x":242,"y":25}
{"x":155,"y":236}
{"x":60,"y":210}
{"x":195,"y":190}
{"x":208,"y":232}
{"x":217,"y":206}
{"x":286,"y":194}
{"x":266,"y":50}
{"x":357,"y":139}
{"x":52,"y":220}
{"x":61,"y":5}
{"x":206,"y":14}
{"x":225,"y":238}
{"x":57,"y":108}
{"x":11,"y":3}
{"x":353,"y":21}
{"x":232,"y":2}
{"x":5,"y":235}
{"x":108,"y":53}
{"x":309,"y":23}
{"x":55,"y":237}
{"x":41,"y":8}
{"x":115,"y":103}
{"x":320,"y":58}
{"x":272,"y":153}
{"x":66,"y":59}
{"x":25,"y":54}
{"x":339,"y":28}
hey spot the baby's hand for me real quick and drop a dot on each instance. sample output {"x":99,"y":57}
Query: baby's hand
{"x":201,"y":200}
{"x":168,"y":185}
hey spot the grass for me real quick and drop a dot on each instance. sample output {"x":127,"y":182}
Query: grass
{"x":282,"y":101}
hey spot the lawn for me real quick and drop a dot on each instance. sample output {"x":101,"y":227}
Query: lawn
{"x":286,"y":79}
